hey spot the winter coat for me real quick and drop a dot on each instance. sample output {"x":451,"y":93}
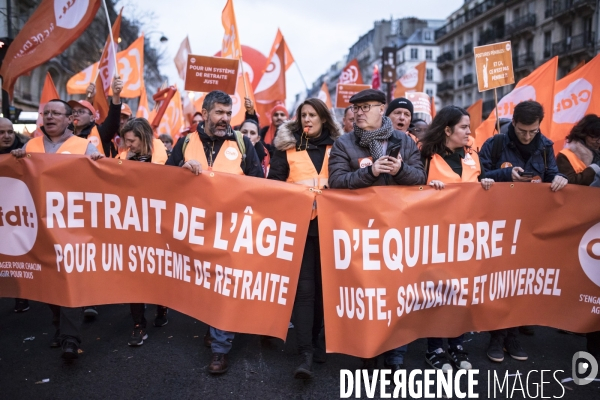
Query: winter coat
{"x":587,"y":156}
{"x":346,"y":173}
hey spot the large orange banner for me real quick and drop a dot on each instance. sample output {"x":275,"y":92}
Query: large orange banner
{"x":405,"y":263}
{"x":125,"y":231}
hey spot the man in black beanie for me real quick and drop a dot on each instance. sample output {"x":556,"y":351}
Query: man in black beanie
{"x":400,"y":111}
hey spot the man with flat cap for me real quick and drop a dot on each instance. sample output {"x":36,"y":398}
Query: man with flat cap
{"x":375,"y":154}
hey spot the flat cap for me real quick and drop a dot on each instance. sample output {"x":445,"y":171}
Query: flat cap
{"x":368,"y":95}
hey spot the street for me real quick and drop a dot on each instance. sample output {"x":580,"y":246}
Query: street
{"x":172,"y":362}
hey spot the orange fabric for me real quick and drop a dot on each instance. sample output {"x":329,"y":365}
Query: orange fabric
{"x":439,"y":170}
{"x":538,"y":86}
{"x":106,"y":65}
{"x":324,"y":96}
{"x":159,"y":153}
{"x":73,"y":145}
{"x":476,"y":112}
{"x":574,"y":97}
{"x":303,"y":171}
{"x":171,"y":122}
{"x":95,"y":139}
{"x":182,"y":56}
{"x":351,"y":74}
{"x":272,"y":88}
{"x":412,"y":81}
{"x":231,"y":47}
{"x":270,"y":135}
{"x":100,"y":102}
{"x":228,"y":159}
{"x":239,"y":111}
{"x":49,"y":92}
{"x":178,"y":248}
{"x":289,"y":59}
{"x":46,"y":34}
{"x":143,"y":110}
{"x":575,"y":161}
{"x":131,"y":71}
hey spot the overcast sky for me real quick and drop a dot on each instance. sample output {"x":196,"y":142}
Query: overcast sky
{"x":318,"y":32}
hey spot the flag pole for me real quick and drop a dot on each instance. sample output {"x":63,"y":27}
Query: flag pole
{"x":112,"y":39}
{"x":301,"y":76}
{"x":243,"y":76}
{"x":496,"y":101}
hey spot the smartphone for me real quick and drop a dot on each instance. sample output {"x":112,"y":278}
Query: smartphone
{"x":394,"y":153}
{"x":526,"y":174}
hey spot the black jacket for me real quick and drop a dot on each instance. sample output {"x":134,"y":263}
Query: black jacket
{"x":250,"y":165}
{"x":107,"y":130}
{"x":18,"y":143}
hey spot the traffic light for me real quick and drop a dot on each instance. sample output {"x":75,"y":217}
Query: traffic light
{"x":388,"y":61}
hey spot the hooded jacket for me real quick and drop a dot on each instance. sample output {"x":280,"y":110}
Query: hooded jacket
{"x":346,"y":173}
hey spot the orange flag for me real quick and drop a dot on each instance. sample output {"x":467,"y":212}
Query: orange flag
{"x":413,"y":80}
{"x":289,"y":59}
{"x":433,"y":111}
{"x":143,"y":110}
{"x":239,"y":111}
{"x":574,"y":97}
{"x":100,"y":102}
{"x":49,"y":92}
{"x":172,"y":121}
{"x":107,"y":63}
{"x":131,"y":71}
{"x":182,"y":56}
{"x":476,"y":111}
{"x":538,"y":86}
{"x":581,"y":64}
{"x":271,"y":88}
{"x":47,"y":33}
{"x":188,"y":108}
{"x":231,"y":47}
{"x":351,"y":74}
{"x":324,"y":96}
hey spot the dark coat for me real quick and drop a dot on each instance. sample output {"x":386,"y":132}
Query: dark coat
{"x":107,"y":130}
{"x":591,"y":160}
{"x":345,"y":172}
{"x":18,"y":143}
{"x":542,"y":161}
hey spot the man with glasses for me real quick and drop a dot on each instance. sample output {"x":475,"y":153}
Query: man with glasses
{"x":523,"y":154}
{"x":58,"y":139}
{"x":375,"y":154}
{"x":100,"y":135}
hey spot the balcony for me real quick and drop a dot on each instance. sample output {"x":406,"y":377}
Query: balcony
{"x":560,"y":7}
{"x":445,"y":87}
{"x":574,"y":44}
{"x":523,"y":61}
{"x":491,"y":35}
{"x":468,"y":49}
{"x":466,"y":17}
{"x":525,"y":24}
{"x":468,"y":79}
{"x":445,"y":60}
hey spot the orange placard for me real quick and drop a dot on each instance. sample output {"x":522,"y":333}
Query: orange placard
{"x":205,"y":74}
{"x":103,"y":237}
{"x":345,"y":91}
{"x":421,"y":102}
{"x":493,"y":63}
{"x":458,"y":257}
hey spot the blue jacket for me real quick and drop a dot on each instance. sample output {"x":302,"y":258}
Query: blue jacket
{"x":542,"y":162}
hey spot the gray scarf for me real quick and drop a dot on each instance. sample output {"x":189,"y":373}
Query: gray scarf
{"x":374,"y":139}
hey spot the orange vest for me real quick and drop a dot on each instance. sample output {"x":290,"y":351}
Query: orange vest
{"x":303,"y":171}
{"x":575,"y":161}
{"x":439,"y":170}
{"x":95,"y":139}
{"x":159,"y":153}
{"x":73,"y":145}
{"x":228,"y":160}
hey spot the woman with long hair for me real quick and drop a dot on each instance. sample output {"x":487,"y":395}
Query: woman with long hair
{"x":301,"y":156}
{"x":251,"y":129}
{"x":140,"y":145}
{"x":449,"y":159}
{"x":580,"y":159}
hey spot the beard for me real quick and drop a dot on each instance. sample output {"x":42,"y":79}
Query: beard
{"x":217,"y":129}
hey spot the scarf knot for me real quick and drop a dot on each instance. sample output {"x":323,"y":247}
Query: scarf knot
{"x":374,"y":139}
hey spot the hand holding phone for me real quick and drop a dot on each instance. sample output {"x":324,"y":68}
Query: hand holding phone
{"x":394,"y":153}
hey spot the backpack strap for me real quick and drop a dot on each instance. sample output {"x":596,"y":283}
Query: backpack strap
{"x":185,"y":144}
{"x":239,"y":138}
{"x":498,"y":146}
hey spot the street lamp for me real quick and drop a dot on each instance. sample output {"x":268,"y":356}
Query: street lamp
{"x":163,"y":38}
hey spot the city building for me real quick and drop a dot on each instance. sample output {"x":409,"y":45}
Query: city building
{"x":538,"y":30}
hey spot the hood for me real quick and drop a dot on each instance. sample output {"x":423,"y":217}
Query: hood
{"x":586,"y":155}
{"x":286,"y":140}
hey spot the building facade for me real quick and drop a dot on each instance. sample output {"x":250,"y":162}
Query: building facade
{"x":537,"y":29}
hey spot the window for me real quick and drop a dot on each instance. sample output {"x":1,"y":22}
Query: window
{"x":459,"y":102}
{"x":469,"y":98}
{"x":427,"y":35}
{"x":529,"y":46}
{"x":547,"y":44}
{"x":516,"y":13}
{"x":429,"y":54}
{"x":414,"y":54}
{"x":429,"y":92}
{"x":429,"y":74}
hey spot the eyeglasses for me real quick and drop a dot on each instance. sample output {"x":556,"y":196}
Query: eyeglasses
{"x":365,"y":107}
{"x":523,"y":132}
{"x":53,"y":113}
{"x":81,"y":112}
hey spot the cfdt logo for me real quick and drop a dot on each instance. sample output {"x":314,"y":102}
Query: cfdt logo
{"x":18,"y":218}
{"x":589,"y":253}
{"x":585,"y":368}
{"x":69,"y":13}
{"x":572,"y":103}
